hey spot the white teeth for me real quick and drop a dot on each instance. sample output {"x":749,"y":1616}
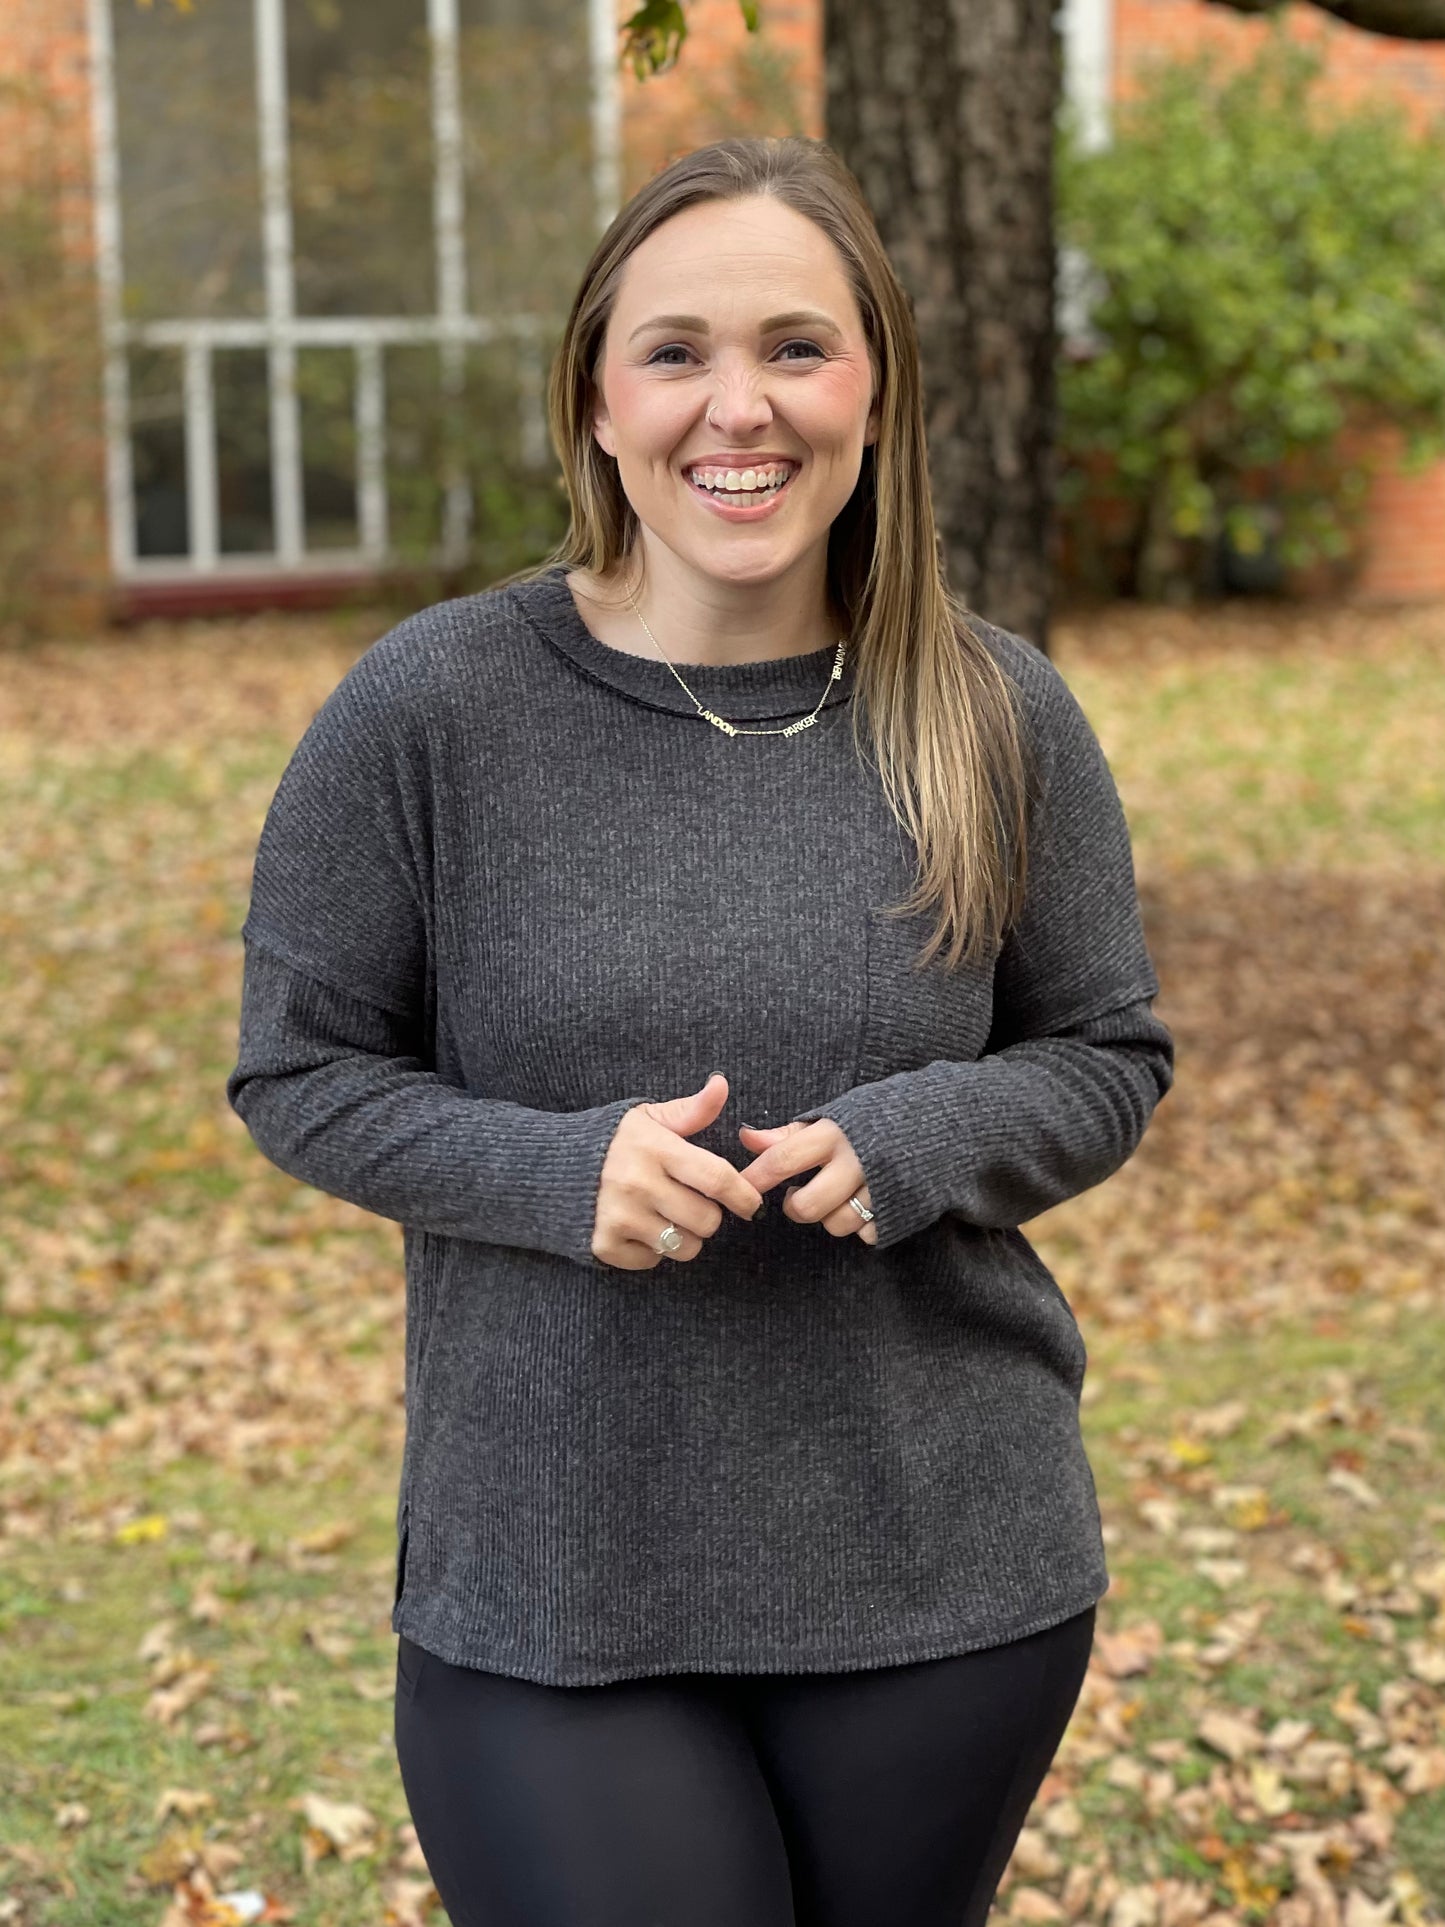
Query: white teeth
{"x":744,"y":483}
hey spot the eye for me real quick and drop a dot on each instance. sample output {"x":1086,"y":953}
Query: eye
{"x":677,"y":348}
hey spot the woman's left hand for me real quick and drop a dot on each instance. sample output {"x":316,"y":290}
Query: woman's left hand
{"x":787,"y":1149}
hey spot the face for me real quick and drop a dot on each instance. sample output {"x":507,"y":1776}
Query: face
{"x":740,"y":310}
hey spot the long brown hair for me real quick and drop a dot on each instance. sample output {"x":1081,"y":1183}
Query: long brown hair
{"x":952,"y":754}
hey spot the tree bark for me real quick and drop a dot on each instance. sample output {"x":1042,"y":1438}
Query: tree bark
{"x":945,"y":111}
{"x":1395,"y":19}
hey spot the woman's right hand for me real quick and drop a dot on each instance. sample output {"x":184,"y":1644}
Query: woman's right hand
{"x":653,"y":1177}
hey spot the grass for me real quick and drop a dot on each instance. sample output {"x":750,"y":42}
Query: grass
{"x":181,"y":1323}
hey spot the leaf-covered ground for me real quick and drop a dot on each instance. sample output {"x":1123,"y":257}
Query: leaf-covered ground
{"x":196,"y":1556}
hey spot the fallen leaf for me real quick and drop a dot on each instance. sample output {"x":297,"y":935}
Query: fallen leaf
{"x":1032,"y":1903}
{"x":1231,"y":1734}
{"x":167,"y":1703}
{"x":1361,"y":1911}
{"x":1223,"y":1573}
{"x":1247,"y":1506}
{"x":184,"y":1801}
{"x":1287,"y":1734}
{"x":328,"y":1538}
{"x":335,"y":1826}
{"x":1353,"y":1486}
{"x":1131,"y":1650}
{"x":1426,"y":1661}
{"x":1267,"y":1787}
{"x":1064,"y":1819}
{"x":1136,"y":1906}
{"x":410,"y":1903}
{"x":1033,"y":1858}
{"x":139,"y":1531}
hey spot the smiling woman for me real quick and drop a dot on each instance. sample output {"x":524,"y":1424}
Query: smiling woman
{"x":747,"y":1557}
{"x":720,"y":415}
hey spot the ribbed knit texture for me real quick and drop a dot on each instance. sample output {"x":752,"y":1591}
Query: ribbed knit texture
{"x":510,"y":885}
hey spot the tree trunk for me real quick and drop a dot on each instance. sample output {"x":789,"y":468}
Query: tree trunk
{"x":944,"y":110}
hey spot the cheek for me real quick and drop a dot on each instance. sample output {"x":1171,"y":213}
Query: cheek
{"x":646,"y":414}
{"x":835,"y":405}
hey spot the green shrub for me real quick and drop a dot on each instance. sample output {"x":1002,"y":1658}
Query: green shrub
{"x":1267,"y":270}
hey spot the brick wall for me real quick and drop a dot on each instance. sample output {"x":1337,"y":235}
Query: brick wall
{"x":727,"y":81}
{"x":1403,"y":547}
{"x":54,"y":479}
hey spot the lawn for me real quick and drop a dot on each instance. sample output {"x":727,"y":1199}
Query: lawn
{"x":196,"y":1560}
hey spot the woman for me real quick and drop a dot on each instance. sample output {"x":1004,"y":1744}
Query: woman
{"x":748,"y":1553}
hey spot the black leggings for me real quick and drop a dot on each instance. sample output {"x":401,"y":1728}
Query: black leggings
{"x":887,"y":1797}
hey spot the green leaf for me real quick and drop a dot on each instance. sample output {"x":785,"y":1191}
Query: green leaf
{"x":652,"y":37}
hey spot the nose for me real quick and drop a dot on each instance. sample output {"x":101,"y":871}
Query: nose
{"x":739,"y":405}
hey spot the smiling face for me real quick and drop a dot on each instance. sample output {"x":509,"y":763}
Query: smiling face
{"x":741,"y":310}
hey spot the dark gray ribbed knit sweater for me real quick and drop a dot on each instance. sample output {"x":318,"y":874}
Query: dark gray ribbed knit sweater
{"x":510,"y":885}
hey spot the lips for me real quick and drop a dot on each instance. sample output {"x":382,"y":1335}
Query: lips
{"x":726,"y":503}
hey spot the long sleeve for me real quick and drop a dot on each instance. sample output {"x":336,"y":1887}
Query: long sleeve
{"x":335,"y":1092}
{"x":334,"y":1077}
{"x":1075,"y":1062}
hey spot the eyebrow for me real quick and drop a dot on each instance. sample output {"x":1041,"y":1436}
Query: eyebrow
{"x":695,"y":324}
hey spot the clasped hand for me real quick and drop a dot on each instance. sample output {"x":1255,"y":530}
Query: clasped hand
{"x":791,"y":1148}
{"x":653,"y":1176}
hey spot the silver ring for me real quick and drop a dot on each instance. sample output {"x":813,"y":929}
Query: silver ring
{"x":669,"y":1240}
{"x":863,"y":1212}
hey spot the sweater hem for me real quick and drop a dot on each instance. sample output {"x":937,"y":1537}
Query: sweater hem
{"x":616,"y":1667}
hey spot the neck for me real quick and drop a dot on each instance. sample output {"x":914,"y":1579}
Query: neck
{"x":707,"y":620}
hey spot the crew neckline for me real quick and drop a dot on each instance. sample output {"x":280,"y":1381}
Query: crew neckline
{"x":779,"y":686}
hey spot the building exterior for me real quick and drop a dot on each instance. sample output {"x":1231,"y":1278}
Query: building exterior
{"x":288,"y":328}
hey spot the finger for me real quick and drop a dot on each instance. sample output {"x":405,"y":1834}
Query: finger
{"x":841,"y":1178}
{"x":804,"y":1148}
{"x":704,"y":1172}
{"x":846,"y":1223}
{"x":680,"y":1205}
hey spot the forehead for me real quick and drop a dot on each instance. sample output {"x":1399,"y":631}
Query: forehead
{"x":721,"y":253}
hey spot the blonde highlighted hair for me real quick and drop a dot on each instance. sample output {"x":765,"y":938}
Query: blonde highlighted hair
{"x":953,"y":757}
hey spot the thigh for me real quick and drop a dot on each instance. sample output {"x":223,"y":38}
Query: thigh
{"x":902,"y":1790}
{"x":635,"y":1804}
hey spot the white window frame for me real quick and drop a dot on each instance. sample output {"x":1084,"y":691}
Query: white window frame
{"x":1087,"y":31}
{"x":281,"y":332}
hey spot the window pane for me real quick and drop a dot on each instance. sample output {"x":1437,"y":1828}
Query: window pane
{"x":415,"y":439}
{"x":359,"y":79}
{"x":186,"y":135}
{"x":526,"y":82}
{"x":326,"y":392}
{"x":243,"y":450}
{"x":519,"y":509}
{"x":158,"y":451}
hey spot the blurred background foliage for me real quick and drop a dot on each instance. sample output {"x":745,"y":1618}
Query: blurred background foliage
{"x":1267,"y":285}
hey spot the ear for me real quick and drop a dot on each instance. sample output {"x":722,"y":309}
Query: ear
{"x":875,"y":423}
{"x":602,"y":424}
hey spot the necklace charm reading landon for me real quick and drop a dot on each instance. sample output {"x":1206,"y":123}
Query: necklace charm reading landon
{"x":721,"y":722}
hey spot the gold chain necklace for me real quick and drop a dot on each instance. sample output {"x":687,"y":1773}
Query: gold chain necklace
{"x":731,"y":729}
